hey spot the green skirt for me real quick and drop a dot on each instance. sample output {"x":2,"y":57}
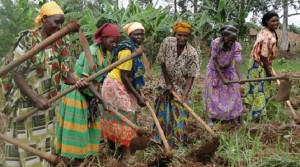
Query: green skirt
{"x":75,"y":137}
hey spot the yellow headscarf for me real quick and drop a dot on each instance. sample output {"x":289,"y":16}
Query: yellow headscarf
{"x":49,"y":9}
{"x":180,"y":26}
{"x":130,"y":27}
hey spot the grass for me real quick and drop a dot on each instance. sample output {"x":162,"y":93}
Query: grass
{"x":286,"y":65}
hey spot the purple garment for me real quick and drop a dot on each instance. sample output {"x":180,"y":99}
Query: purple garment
{"x":222,"y":101}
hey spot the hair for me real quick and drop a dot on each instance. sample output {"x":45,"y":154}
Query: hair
{"x":266,"y":17}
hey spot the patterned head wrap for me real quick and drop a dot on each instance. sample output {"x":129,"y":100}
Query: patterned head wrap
{"x":106,"y":30}
{"x":130,"y":27}
{"x":48,"y":9}
{"x":180,"y":26}
{"x":229,"y":30}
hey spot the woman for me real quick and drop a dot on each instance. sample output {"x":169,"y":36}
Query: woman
{"x":78,"y":119}
{"x":121,"y":90}
{"x":223,"y":101}
{"x":179,"y":62}
{"x":260,"y":66}
{"x":34,"y":81}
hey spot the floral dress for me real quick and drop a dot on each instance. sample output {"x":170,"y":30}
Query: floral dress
{"x":171,"y":114}
{"x":223,"y":102}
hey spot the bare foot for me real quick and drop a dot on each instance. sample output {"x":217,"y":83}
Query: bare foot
{"x":126,"y":153}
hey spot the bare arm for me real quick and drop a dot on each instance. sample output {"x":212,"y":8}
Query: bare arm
{"x":219,"y":71}
{"x":266,"y":66}
{"x":40,"y":103}
{"x":129,"y":87}
{"x":238,"y":70}
{"x":81,"y":83}
{"x":94,"y":91}
{"x":69,"y":80}
{"x":187,"y":88}
{"x":166,"y":76}
{"x":147,"y":65}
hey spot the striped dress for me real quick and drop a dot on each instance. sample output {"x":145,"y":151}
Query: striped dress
{"x":75,"y":136}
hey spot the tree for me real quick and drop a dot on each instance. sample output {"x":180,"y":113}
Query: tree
{"x":144,"y":3}
{"x":285,"y":41}
{"x":182,"y":5}
{"x":11,"y":23}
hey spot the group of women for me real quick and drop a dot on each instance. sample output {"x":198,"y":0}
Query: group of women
{"x":82,"y":120}
{"x":223,"y":100}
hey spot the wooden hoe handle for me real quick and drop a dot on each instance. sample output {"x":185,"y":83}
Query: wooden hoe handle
{"x":195,"y":115}
{"x":139,"y":130}
{"x":50,"y":158}
{"x":259,"y":79}
{"x":160,"y":131}
{"x":103,"y":71}
{"x":71,"y":27}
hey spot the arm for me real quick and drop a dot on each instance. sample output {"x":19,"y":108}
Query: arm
{"x":237,"y":67}
{"x":266,"y":66}
{"x":129,"y":87}
{"x":40,"y":103}
{"x":187,"y":88}
{"x":69,"y":79}
{"x":219,"y":71}
{"x":147,"y":65}
{"x":166,"y":76}
{"x":81,"y":84}
{"x":94,"y":91}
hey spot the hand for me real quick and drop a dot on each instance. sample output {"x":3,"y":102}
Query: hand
{"x":81,"y":83}
{"x":183,"y":98}
{"x":225,"y":81}
{"x":141,"y":101}
{"x":270,"y":75}
{"x":169,"y":87}
{"x":241,"y":81}
{"x":42,"y":104}
{"x":99,"y":101}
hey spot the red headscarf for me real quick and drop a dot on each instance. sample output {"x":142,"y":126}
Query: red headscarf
{"x":106,"y":30}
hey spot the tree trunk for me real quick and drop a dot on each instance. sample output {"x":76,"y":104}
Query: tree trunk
{"x":117,"y":3}
{"x":284,"y":39}
{"x":175,"y":6}
{"x":195,"y":6}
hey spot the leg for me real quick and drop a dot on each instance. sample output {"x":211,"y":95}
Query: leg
{"x":126,"y":153}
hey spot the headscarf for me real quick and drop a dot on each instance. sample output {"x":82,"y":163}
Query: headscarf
{"x":106,"y":30}
{"x":49,"y":9}
{"x":130,"y":27}
{"x":181,"y":26}
{"x":229,"y":30}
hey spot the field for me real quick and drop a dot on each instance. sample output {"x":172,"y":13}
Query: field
{"x":273,"y":142}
